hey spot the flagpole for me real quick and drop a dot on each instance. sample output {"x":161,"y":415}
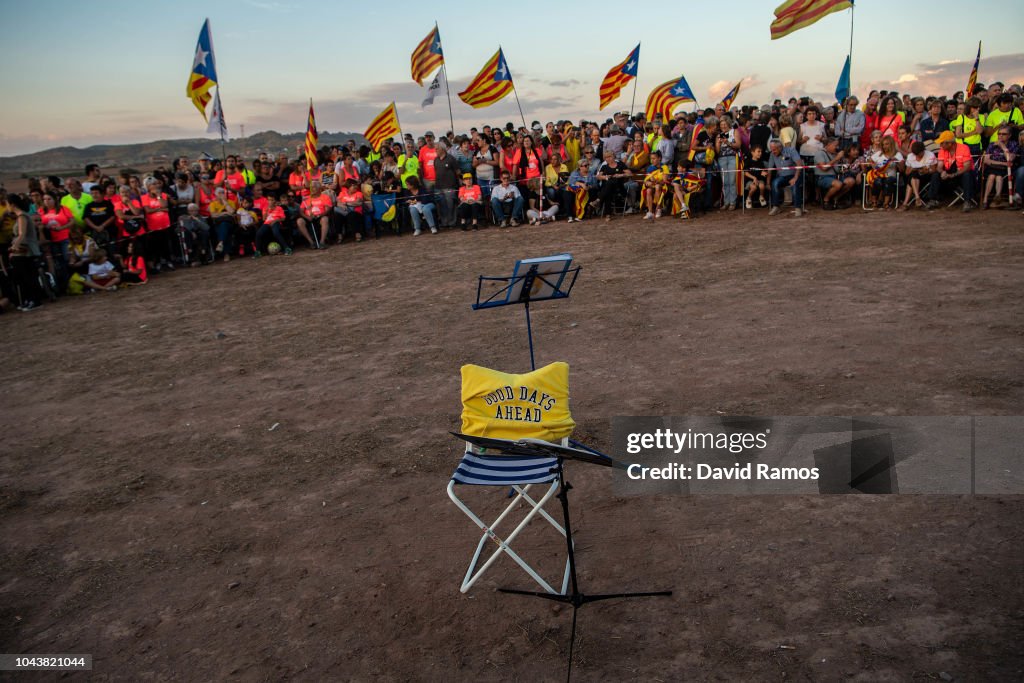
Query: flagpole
{"x":633,"y":103}
{"x":513,"y":81}
{"x":852,"y":6}
{"x":447,"y":88}
{"x":636,"y":78}
{"x":400,"y":133}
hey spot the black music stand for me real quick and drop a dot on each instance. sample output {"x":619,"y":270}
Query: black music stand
{"x":537,"y":448}
{"x":534,"y":279}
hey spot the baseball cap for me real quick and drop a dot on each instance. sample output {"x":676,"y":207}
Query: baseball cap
{"x":467,"y":175}
{"x":429,"y":134}
{"x":945,"y":136}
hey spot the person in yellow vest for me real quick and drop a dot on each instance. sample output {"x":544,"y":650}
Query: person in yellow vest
{"x":1003,"y":113}
{"x":247,"y":174}
{"x":409,"y":164}
{"x":571,"y":141}
{"x":968,"y":126}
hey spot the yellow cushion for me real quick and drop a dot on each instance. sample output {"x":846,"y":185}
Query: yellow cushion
{"x":504,"y":406}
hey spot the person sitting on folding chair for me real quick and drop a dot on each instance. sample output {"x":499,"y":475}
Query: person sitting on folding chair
{"x":954,"y":168}
{"x":507,"y":202}
{"x":920,"y":163}
{"x":997,"y":165}
{"x":613,"y":175}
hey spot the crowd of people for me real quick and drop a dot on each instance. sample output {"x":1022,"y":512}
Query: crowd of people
{"x":98,"y":233}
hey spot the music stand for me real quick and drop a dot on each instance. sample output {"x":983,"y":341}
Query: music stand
{"x":526,"y":447}
{"x":533,"y":279}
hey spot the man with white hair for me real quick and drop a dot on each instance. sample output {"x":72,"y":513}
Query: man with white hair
{"x":195,"y":234}
{"x":785,"y":169}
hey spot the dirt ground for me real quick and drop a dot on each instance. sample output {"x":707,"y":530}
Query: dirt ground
{"x":150,"y":516}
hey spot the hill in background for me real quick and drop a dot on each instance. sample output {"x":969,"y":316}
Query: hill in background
{"x":149,"y":154}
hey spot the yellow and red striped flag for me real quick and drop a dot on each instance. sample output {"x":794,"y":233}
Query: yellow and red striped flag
{"x":492,"y":83}
{"x":580,"y":197}
{"x":972,"y":80}
{"x":619,"y":76}
{"x":427,"y":56}
{"x":730,"y":96}
{"x":204,"y":71}
{"x":794,"y":15}
{"x":383,"y":127}
{"x":666,"y":97}
{"x":311,"y":138}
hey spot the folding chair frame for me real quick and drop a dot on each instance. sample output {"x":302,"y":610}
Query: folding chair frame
{"x":522,"y":495}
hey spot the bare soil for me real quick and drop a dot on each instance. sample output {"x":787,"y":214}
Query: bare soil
{"x":150,"y":516}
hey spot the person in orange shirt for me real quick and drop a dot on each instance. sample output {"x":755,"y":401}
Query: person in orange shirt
{"x":134,"y":270}
{"x":315,"y":210}
{"x":230,"y":178}
{"x":954,"y":168}
{"x":470,"y":202}
{"x":259,"y":200}
{"x":274,"y":226}
{"x":350,"y":206}
{"x":427,"y":154}
{"x":158,"y":220}
{"x":297,"y":182}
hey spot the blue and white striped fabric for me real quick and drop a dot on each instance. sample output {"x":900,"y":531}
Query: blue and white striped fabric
{"x":502,"y":471}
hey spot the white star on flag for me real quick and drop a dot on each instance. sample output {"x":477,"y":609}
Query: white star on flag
{"x":629,"y":67}
{"x":678,"y":91}
{"x":502,"y":71}
{"x":200,"y":57}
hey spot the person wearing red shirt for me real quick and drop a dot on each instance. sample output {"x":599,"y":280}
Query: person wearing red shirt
{"x":273,"y":226}
{"x":205,"y":192}
{"x":230,"y":178}
{"x":350,"y":205}
{"x":259,"y":202}
{"x":470,"y":202}
{"x":427,"y":154}
{"x":954,"y":168}
{"x":316,"y":210}
{"x":297,"y":182}
{"x":128,"y":215}
{"x":134,"y":271}
{"x":871,"y":120}
{"x":56,"y":221}
{"x":158,"y":220}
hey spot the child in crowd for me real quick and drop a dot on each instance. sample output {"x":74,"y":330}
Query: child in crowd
{"x":754,"y":174}
{"x":102,"y":277}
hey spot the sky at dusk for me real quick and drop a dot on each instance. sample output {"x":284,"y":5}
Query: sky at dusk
{"x":116,"y":73}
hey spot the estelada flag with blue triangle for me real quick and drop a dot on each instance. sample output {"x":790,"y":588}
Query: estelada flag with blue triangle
{"x":204,"y":71}
{"x":666,"y":97}
{"x":619,"y":76}
{"x":492,"y":83}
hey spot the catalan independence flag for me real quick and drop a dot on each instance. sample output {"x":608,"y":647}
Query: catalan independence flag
{"x":697,"y":128}
{"x":580,"y":197}
{"x":972,"y":80}
{"x":204,"y":71}
{"x":427,"y":56}
{"x":619,"y":76}
{"x":383,"y":127}
{"x":666,"y":97}
{"x":794,"y":15}
{"x":492,"y":83}
{"x":730,"y":96}
{"x":311,"y":138}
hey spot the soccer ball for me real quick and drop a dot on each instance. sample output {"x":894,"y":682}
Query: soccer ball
{"x":273,"y":248}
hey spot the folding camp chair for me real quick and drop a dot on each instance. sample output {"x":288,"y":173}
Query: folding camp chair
{"x":506,"y":406}
{"x":521,"y":474}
